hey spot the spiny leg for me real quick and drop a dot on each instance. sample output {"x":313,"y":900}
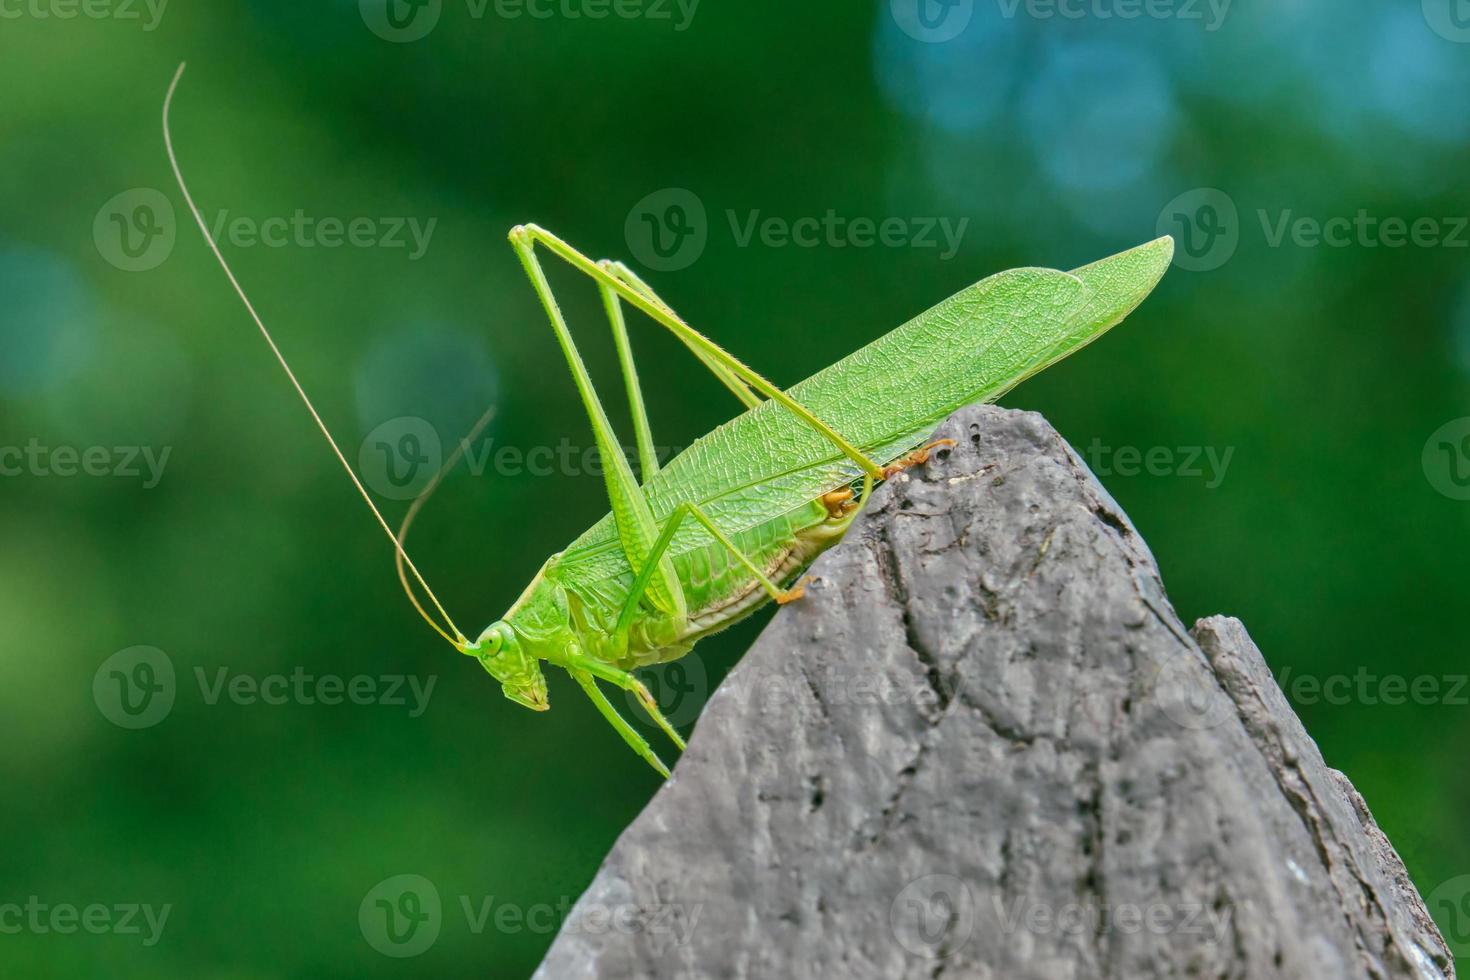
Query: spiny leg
{"x":636,"y":742}
{"x":737,"y":387}
{"x":687,"y":509}
{"x":527,"y":236}
{"x":916,"y":457}
{"x":642,"y":433}
{"x":635,"y":524}
{"x":578,"y":661}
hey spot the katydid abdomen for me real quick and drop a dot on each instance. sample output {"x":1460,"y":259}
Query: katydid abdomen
{"x":718,"y":590}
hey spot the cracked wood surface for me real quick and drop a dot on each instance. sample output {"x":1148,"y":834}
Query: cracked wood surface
{"x":985,"y":746}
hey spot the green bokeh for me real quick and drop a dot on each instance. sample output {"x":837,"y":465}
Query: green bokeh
{"x":1323,"y":370}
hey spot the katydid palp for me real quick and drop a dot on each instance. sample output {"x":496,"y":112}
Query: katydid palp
{"x":730,"y":523}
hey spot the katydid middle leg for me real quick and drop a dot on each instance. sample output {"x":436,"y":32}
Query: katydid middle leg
{"x":578,"y":661}
{"x":636,"y":742}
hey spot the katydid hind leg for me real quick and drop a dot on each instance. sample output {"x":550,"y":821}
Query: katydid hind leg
{"x":527,"y":237}
{"x":737,"y":387}
{"x":636,"y":527}
{"x":642,"y":432}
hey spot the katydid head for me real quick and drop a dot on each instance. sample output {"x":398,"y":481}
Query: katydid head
{"x":500,"y":652}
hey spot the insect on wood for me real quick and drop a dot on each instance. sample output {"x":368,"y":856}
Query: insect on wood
{"x":730,"y":523}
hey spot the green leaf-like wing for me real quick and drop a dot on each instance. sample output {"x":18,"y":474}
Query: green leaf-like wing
{"x":886,"y":397}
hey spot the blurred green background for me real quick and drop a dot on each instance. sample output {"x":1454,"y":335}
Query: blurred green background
{"x":1335,"y":375}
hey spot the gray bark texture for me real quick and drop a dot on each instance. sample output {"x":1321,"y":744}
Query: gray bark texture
{"x":985,"y":746}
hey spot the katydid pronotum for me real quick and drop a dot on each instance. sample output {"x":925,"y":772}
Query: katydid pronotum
{"x":730,"y":523}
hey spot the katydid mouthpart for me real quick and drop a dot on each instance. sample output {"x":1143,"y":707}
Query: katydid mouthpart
{"x":730,"y":523}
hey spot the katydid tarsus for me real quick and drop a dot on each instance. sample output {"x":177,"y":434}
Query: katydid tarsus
{"x":730,"y":523}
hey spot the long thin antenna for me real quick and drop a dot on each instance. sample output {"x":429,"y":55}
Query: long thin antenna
{"x":458,"y":640}
{"x":423,"y":498}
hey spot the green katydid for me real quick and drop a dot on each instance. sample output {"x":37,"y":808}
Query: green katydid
{"x":731,"y":522}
